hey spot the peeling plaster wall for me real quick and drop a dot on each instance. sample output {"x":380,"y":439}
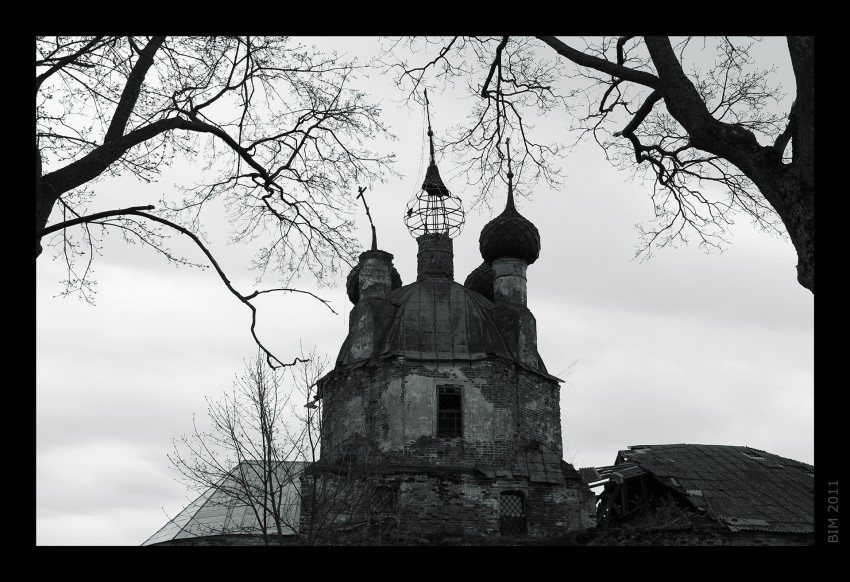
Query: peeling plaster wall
{"x":394,"y":405}
{"x":411,"y":407}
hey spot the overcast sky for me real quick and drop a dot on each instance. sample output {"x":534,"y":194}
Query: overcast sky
{"x":685,"y":348}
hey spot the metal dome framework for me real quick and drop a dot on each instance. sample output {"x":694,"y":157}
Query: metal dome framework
{"x":430,"y":213}
{"x":433,"y":209}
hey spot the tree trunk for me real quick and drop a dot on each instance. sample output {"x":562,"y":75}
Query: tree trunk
{"x":795,"y":206}
{"x":802,"y":51}
{"x":44,"y":202}
{"x":788,"y":188}
{"x":801,"y":227}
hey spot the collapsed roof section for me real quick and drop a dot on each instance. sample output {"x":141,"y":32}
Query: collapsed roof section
{"x":737,"y":486}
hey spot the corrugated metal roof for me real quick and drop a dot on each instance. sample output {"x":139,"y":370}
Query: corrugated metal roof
{"x":746,"y":488}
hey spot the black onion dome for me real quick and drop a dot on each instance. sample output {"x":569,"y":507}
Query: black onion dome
{"x":509,"y":235}
{"x":481,"y":280}
{"x":352,"y":283}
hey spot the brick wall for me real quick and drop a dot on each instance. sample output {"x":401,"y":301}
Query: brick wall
{"x":457,"y":503}
{"x":393,"y":405}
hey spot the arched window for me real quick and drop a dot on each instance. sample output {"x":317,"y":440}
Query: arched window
{"x":512,"y":513}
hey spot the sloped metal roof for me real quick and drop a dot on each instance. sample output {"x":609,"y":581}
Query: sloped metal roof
{"x":438,"y":319}
{"x":222,"y":509}
{"x":745,"y":488}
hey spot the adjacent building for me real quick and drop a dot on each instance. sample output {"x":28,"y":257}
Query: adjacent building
{"x":685,"y":494}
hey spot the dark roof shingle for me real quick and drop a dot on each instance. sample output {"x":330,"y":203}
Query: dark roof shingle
{"x":745,"y":488}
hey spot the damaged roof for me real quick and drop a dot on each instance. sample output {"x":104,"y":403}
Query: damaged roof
{"x":742,"y":487}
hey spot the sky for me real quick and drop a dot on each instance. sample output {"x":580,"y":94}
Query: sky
{"x":687,"y":347}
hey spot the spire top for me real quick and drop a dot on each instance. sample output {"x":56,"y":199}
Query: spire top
{"x":510,"y":203}
{"x":361,"y":190}
{"x":433,"y":210}
{"x":430,"y":133}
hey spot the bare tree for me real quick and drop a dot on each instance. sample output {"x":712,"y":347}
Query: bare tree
{"x":261,"y":455}
{"x":278,"y":124}
{"x":695,"y":116}
{"x":245,"y":454}
{"x":343,"y":499}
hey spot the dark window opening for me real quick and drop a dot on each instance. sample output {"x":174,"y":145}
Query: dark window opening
{"x":383,"y":512}
{"x":512,"y":513}
{"x":449,"y":412}
{"x":384,"y":500}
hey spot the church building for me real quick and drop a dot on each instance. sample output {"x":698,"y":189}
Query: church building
{"x":439,"y":398}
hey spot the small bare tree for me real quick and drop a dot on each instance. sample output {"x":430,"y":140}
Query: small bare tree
{"x":342,"y":496}
{"x":243,"y":456}
{"x":261,"y":456}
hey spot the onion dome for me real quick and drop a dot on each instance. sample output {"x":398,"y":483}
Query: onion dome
{"x":510,"y":234}
{"x":352,"y":283}
{"x":481,"y":280}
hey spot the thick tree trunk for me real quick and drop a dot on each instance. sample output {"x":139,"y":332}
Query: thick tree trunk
{"x":801,"y":227}
{"x":43,"y":203}
{"x":115,"y":144}
{"x":802,"y":50}
{"x":795,"y":206}
{"x":788,"y":188}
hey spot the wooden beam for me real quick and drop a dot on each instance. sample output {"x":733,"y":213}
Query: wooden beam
{"x":644,"y":491}
{"x":624,"y":496}
{"x":610,"y":503}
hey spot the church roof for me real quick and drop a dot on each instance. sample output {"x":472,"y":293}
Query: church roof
{"x":436,"y":319}
{"x":221,"y":510}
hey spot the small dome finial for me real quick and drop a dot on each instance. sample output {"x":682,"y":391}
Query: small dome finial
{"x":430,"y":133}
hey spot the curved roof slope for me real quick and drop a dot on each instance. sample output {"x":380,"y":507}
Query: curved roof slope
{"x":222,"y":509}
{"x":745,"y":488}
{"x":440,"y":319}
{"x":437,"y":319}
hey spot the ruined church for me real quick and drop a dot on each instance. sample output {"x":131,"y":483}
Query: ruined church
{"x":439,"y":417}
{"x":439,"y":386}
{"x":440,"y":421}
